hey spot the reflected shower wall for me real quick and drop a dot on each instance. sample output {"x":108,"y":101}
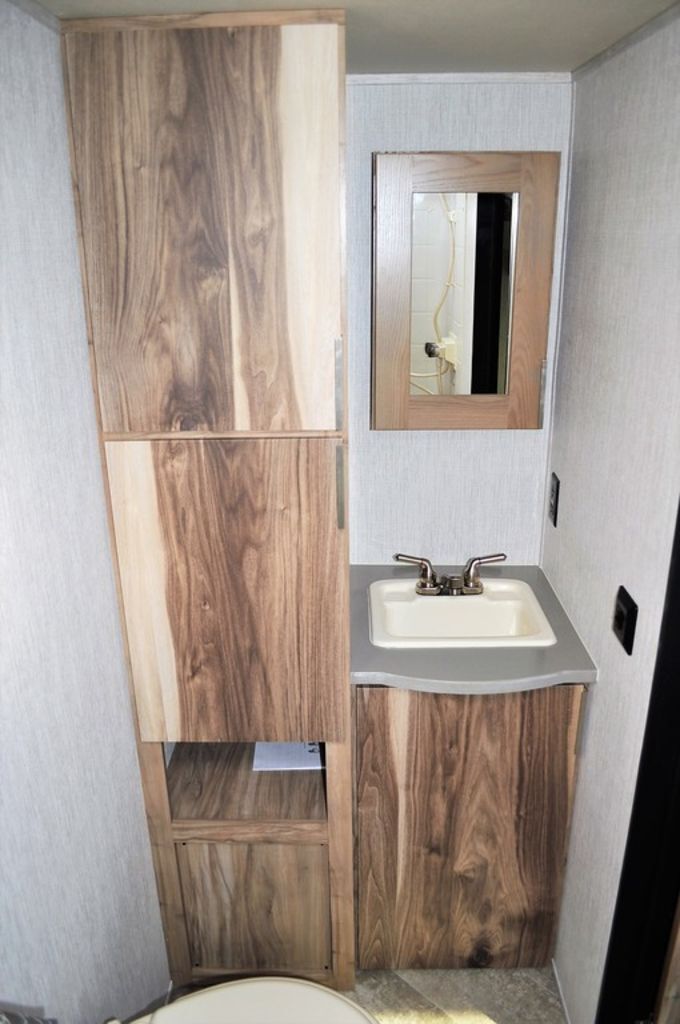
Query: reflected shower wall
{"x":442,"y":297}
{"x":461,"y":292}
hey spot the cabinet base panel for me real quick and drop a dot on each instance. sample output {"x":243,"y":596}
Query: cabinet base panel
{"x":230,"y":974}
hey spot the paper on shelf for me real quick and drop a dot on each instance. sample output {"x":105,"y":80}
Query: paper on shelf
{"x":286,"y":757}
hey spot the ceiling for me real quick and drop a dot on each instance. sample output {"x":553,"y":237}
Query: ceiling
{"x":407,"y":36}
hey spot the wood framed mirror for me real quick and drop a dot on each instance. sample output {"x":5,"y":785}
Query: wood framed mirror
{"x":463,"y":248}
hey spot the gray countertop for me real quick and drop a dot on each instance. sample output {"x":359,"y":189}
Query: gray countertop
{"x":482,"y":670}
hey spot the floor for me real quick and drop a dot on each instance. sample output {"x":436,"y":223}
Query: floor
{"x":460,"y":997}
{"x":455,"y":997}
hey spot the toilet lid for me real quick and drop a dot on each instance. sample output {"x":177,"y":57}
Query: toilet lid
{"x":264,"y":1001}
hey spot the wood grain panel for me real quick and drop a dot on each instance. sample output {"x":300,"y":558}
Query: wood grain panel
{"x":208,"y":175}
{"x":392,"y":231}
{"x":152,"y":767}
{"x":340,"y":861}
{"x":463,"y":812}
{"x":256,"y":906}
{"x":236,"y":604}
{"x":397,"y":176}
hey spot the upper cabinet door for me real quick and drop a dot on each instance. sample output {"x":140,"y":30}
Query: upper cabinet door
{"x":207,"y":165}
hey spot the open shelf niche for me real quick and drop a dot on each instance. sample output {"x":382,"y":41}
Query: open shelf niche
{"x":216,"y":796}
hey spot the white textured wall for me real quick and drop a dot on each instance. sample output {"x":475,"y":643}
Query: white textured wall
{"x":616,"y":449}
{"x":80,"y":933}
{"x":447,"y":494}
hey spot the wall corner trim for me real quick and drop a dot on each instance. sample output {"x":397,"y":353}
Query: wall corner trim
{"x":666,"y":17}
{"x":559,"y":989}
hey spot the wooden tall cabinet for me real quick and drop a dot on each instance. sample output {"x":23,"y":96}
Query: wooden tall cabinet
{"x":207,"y":159}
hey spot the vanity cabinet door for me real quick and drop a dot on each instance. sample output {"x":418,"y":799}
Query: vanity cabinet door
{"x":207,"y":165}
{"x":234,"y":581}
{"x":463,"y":812}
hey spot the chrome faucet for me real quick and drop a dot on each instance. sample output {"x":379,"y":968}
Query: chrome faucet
{"x":432,"y":584}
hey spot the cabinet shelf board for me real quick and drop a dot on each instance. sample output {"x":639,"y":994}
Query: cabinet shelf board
{"x":211,"y":783}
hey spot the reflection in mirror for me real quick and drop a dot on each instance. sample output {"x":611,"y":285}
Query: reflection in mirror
{"x":462,"y":269}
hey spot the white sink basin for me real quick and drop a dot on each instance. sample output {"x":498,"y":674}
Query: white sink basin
{"x":507,"y":614}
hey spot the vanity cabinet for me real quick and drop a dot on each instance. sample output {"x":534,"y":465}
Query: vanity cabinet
{"x":463,"y":807}
{"x":207,"y":165}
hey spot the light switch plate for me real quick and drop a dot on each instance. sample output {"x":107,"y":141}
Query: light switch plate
{"x":625,"y":618}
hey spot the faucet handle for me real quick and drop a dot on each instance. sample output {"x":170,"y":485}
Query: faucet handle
{"x":428,"y":583}
{"x":471,"y":578}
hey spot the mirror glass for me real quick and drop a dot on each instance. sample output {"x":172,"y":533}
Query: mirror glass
{"x":462,"y":271}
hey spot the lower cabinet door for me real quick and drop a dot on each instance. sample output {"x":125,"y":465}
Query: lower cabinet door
{"x":261,"y":906}
{"x":463,"y":806}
